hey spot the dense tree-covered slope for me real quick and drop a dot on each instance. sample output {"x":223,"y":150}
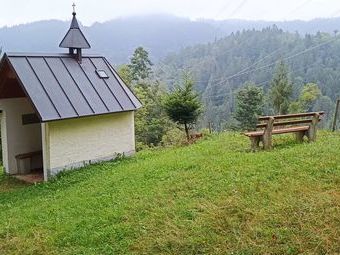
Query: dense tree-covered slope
{"x":222,"y":67}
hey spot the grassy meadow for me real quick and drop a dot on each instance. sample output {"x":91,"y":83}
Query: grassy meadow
{"x":213,"y":197}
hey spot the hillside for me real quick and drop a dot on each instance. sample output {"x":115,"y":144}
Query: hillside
{"x":214,"y":197}
{"x":222,"y":67}
{"x":160,"y":34}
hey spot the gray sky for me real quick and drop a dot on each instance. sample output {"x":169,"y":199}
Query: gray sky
{"x":89,"y":11}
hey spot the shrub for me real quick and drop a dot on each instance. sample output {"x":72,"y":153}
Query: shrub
{"x":174,"y":137}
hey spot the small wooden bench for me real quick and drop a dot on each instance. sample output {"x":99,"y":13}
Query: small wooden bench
{"x":302,"y":124}
{"x":22,"y":167}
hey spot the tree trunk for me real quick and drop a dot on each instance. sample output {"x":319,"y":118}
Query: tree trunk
{"x":187,"y":131}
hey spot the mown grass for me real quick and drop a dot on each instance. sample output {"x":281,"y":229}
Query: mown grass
{"x":214,"y":197}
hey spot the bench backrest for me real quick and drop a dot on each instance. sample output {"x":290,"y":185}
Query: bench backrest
{"x":286,"y":120}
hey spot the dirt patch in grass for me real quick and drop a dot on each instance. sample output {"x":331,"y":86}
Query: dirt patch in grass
{"x":8,"y":183}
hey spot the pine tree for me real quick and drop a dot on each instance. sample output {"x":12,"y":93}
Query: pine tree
{"x":140,"y":65}
{"x":249,"y":105}
{"x":151,"y":121}
{"x":183,"y":105}
{"x":281,"y":89}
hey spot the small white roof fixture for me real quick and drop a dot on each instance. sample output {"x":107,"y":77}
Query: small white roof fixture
{"x":102,"y":74}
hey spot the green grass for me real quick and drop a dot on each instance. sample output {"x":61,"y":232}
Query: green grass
{"x":214,"y":197}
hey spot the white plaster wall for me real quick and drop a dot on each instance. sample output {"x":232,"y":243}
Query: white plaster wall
{"x":17,"y":138}
{"x":76,"y":142}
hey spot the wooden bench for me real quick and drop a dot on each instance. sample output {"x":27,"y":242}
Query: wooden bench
{"x":302,"y":124}
{"x":22,"y":167}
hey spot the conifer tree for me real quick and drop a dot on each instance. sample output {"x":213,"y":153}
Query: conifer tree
{"x":151,"y":122}
{"x":140,"y":65}
{"x":249,"y":103}
{"x":183,"y":105}
{"x":281,"y":89}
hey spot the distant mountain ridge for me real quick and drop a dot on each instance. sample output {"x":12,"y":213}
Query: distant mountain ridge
{"x":159,"y":34}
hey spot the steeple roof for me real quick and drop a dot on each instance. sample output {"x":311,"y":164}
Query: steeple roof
{"x":74,"y":38}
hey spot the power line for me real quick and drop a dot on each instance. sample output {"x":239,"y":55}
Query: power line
{"x":250,"y":66}
{"x":275,"y":62}
{"x":261,"y":60}
{"x":299,"y":7}
{"x":221,"y":11}
{"x":238,"y":8}
{"x":245,"y":71}
{"x":255,"y":83}
{"x":242,"y":72}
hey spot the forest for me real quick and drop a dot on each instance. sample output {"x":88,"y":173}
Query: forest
{"x":237,"y":78}
{"x":221,"y":68}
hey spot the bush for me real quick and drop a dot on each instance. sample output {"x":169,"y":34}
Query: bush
{"x":141,"y":146}
{"x":174,"y":137}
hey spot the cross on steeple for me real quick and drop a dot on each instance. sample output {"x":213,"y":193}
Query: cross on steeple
{"x":74,"y":7}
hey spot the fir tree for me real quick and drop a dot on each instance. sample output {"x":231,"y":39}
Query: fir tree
{"x":151,"y":121}
{"x":249,"y":103}
{"x":182,"y":105}
{"x":140,"y":65}
{"x":281,"y":89}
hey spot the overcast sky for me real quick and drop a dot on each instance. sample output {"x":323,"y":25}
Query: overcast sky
{"x":89,"y":11}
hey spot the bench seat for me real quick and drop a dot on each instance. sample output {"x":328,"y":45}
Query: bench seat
{"x":28,"y":155}
{"x":279,"y":131}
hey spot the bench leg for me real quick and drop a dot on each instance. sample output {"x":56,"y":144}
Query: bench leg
{"x":311,"y":135}
{"x":255,"y":143}
{"x":299,"y":136}
{"x":313,"y":128}
{"x":267,"y":142}
{"x":267,"y":136}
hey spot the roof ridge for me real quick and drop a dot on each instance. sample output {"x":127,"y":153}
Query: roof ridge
{"x":46,"y":54}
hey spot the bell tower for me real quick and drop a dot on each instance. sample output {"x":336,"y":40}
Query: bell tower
{"x":74,"y":39}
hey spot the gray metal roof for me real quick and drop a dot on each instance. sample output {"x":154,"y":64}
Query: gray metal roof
{"x":74,"y":37}
{"x":61,"y":88}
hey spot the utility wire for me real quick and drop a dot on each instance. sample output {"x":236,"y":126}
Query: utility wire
{"x":232,"y":13}
{"x":260,"y":61}
{"x":222,"y":10}
{"x":256,"y":83}
{"x":245,"y":70}
{"x":238,"y":8}
{"x":250,"y":66}
{"x":242,"y":72}
{"x":275,"y":62}
{"x":299,"y":7}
